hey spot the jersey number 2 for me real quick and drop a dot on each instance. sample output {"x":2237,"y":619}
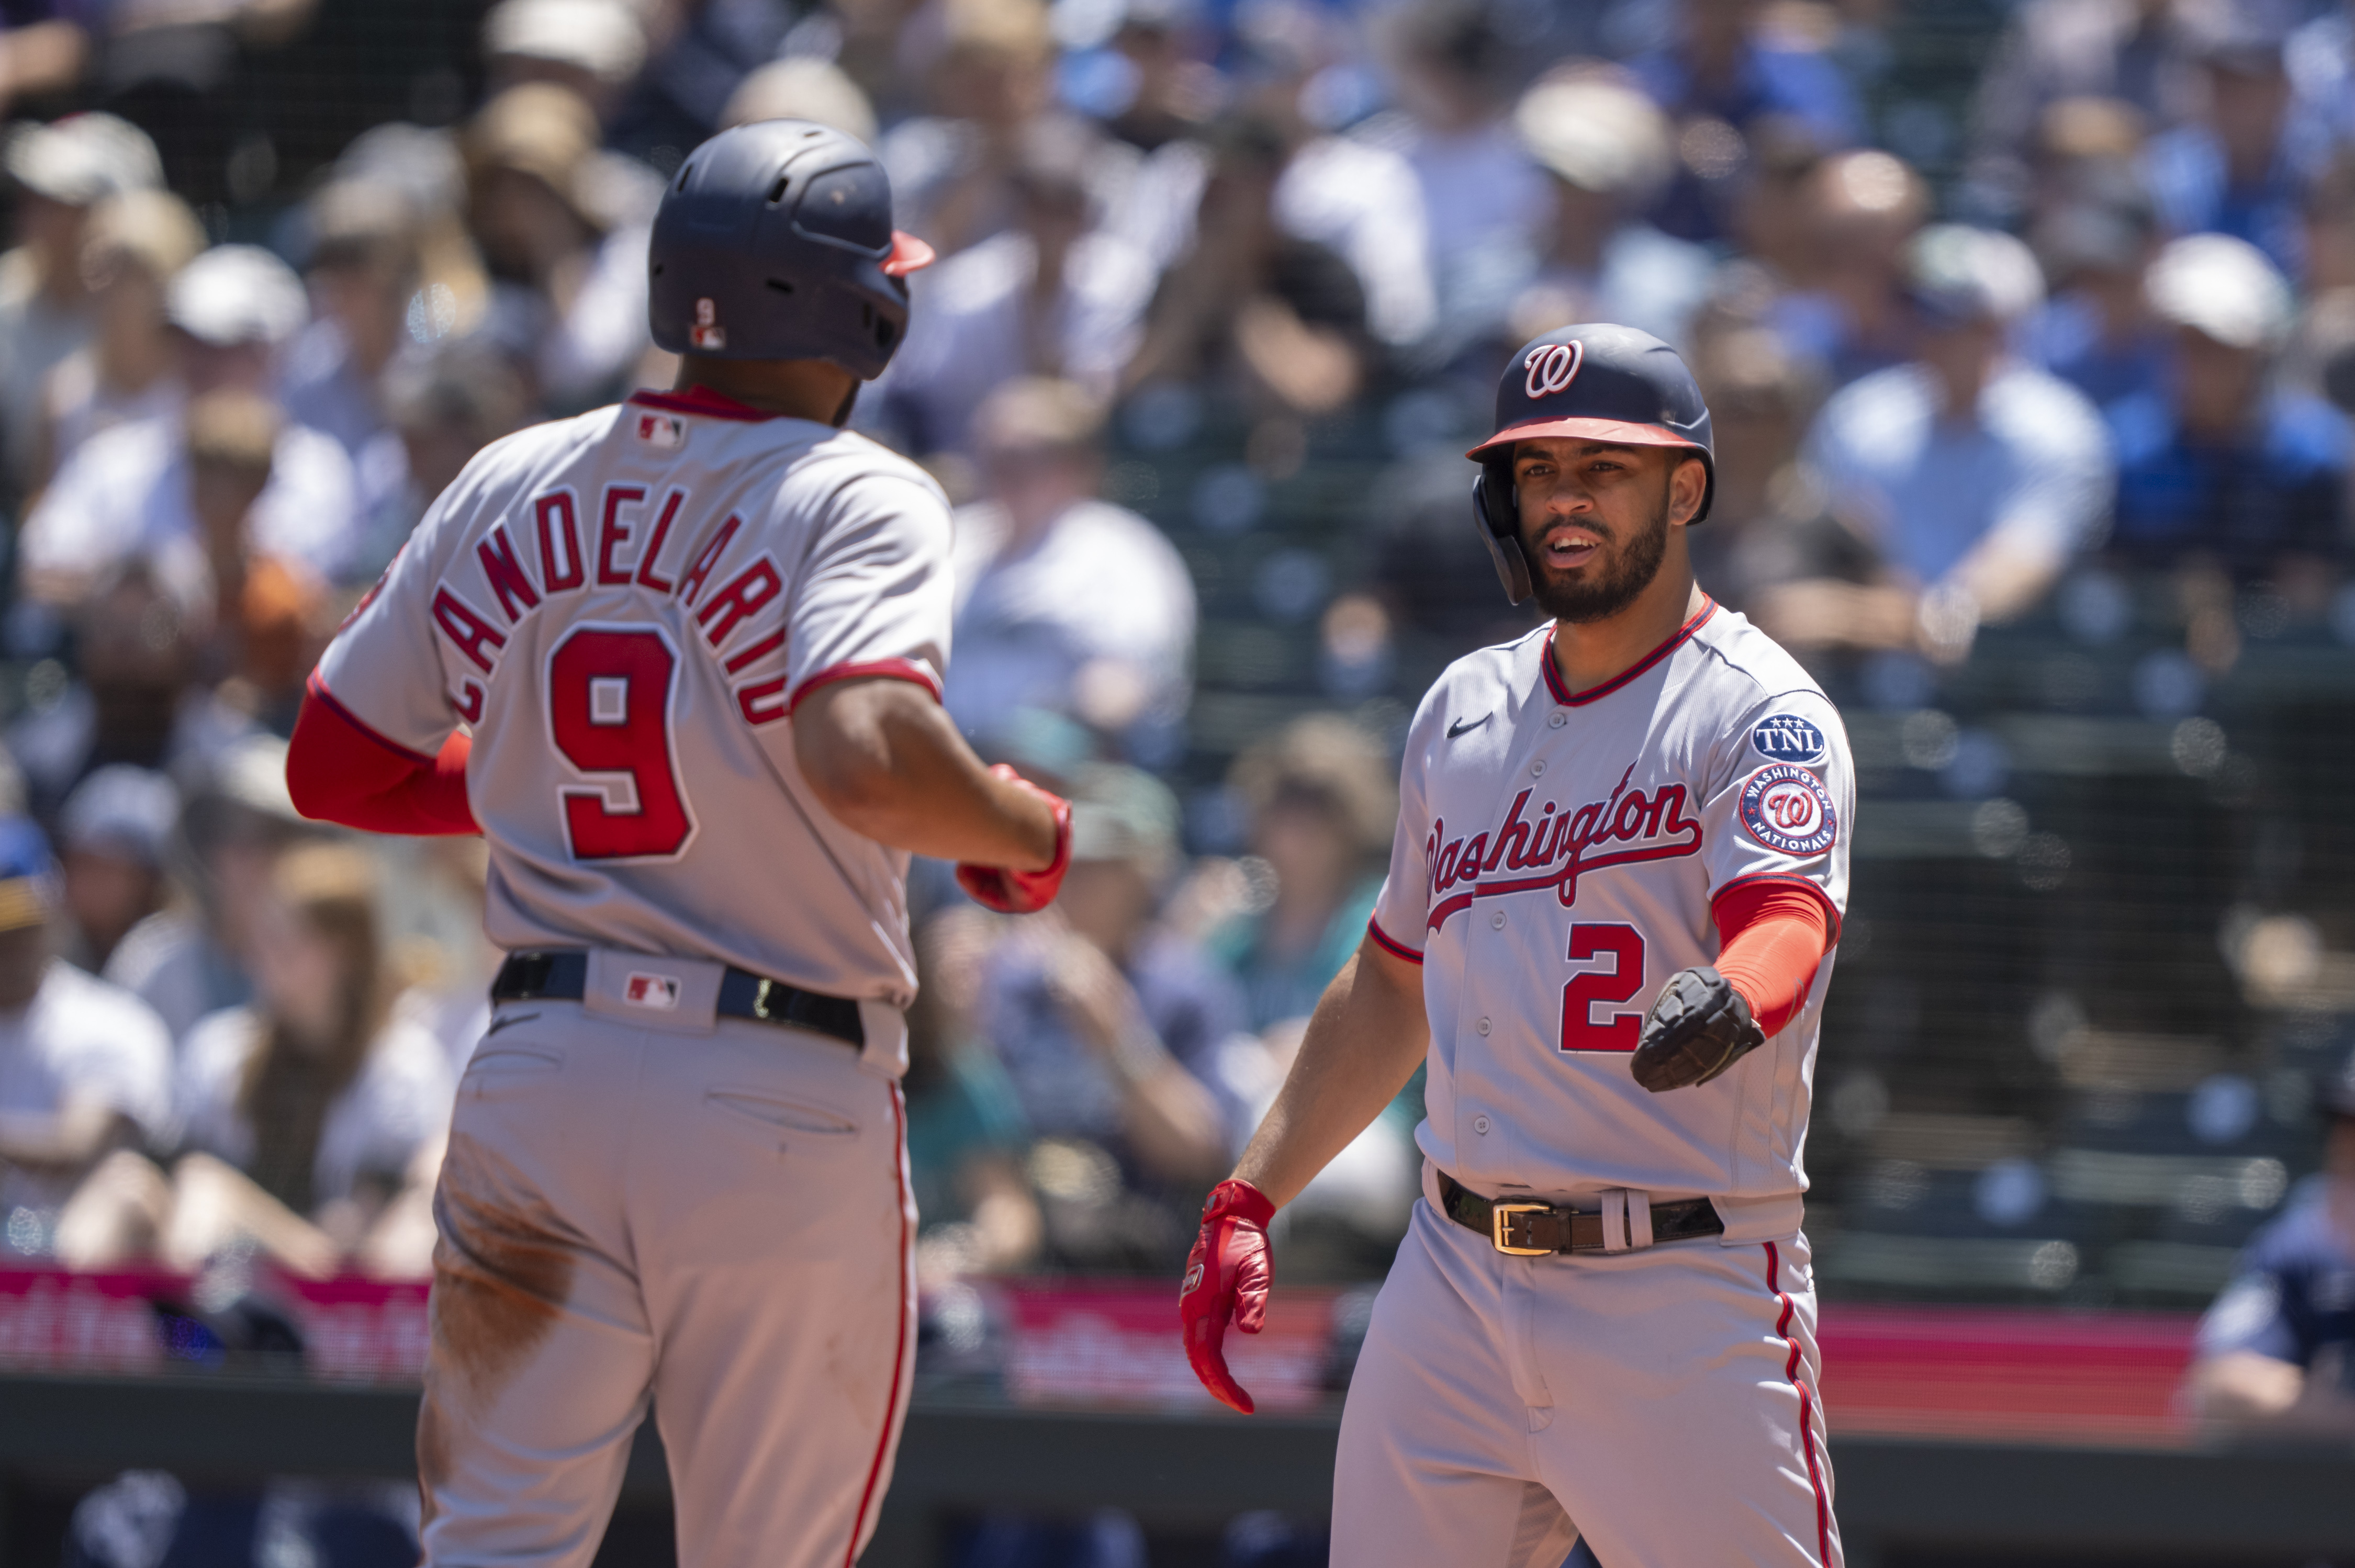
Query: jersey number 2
{"x":609,"y":696}
{"x":1589,"y":989}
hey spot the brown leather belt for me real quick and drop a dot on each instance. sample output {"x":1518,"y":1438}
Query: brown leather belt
{"x":1539,"y":1230}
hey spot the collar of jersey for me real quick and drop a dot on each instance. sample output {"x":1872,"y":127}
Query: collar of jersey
{"x":702,"y":400}
{"x":1568,"y":698}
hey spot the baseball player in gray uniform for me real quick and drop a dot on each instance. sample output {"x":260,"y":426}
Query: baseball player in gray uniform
{"x":680,"y":659}
{"x":1621,"y":859}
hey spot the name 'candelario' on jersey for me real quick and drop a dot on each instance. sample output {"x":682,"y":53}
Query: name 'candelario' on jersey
{"x":564,"y":568}
{"x":1654,"y":821}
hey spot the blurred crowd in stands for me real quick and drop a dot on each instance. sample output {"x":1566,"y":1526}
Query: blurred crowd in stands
{"x":2085,"y":312}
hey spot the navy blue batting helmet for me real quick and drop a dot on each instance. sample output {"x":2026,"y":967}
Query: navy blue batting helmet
{"x":1596,"y":383}
{"x":774,"y":241}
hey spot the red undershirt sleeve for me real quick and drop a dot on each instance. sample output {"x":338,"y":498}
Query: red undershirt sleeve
{"x":1773,"y":935}
{"x":339,"y":770}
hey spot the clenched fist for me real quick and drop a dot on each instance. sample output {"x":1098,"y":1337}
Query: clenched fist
{"x":1013,"y":892}
{"x":1700,"y":1026}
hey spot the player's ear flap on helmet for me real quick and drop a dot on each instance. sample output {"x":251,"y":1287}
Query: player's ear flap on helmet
{"x":1708,"y":483}
{"x":1496,"y":511}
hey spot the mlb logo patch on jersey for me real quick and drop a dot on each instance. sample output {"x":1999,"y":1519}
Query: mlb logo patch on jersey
{"x":667,"y":431}
{"x":1787,"y":809}
{"x":657,"y":991}
{"x":1787,"y":738}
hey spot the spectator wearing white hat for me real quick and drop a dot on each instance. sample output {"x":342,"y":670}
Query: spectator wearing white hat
{"x":114,"y":833}
{"x":1606,"y":151}
{"x":60,"y":172}
{"x":564,"y":228}
{"x":2220,"y":463}
{"x":427,"y":167}
{"x":594,"y":48}
{"x":1857,"y":215}
{"x":1975,"y":475}
{"x":128,"y":492}
{"x":128,"y":371}
{"x":802,"y":87}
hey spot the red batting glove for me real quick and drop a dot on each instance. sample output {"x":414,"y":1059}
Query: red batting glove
{"x":1022,"y":892}
{"x":1227,"y":1275}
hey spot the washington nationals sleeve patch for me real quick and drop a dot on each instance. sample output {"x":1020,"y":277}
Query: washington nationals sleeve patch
{"x":1787,"y":809}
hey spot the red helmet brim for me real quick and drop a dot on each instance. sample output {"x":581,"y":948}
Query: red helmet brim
{"x":908,"y":254}
{"x":1617,"y":432}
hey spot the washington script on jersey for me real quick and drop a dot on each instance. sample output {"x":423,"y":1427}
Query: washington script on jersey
{"x":564,"y":569}
{"x":1653,"y":822}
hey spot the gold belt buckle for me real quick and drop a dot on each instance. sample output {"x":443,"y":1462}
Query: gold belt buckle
{"x":1500,"y":1216}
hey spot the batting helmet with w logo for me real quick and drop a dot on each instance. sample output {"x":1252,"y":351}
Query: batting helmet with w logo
{"x":1595,"y":383}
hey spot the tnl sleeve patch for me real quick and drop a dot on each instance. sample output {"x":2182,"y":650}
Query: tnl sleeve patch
{"x":1787,"y":809}
{"x":1787,"y":738}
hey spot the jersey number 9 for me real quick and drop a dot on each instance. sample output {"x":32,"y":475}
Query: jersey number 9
{"x":609,"y":695}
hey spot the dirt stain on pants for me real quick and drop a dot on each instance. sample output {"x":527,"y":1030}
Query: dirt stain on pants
{"x":500,"y":1280}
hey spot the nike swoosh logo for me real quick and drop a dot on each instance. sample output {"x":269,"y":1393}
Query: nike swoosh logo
{"x":1461,"y":726}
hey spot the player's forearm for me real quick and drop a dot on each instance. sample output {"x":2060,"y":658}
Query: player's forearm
{"x":43,"y":57}
{"x":1005,"y":1214}
{"x":2241,"y":1385}
{"x":68,"y":1138}
{"x":1774,"y":935}
{"x":882,"y":756}
{"x":2004,"y":577}
{"x":1173,"y":1124}
{"x":338,"y":771}
{"x":1364,"y":1042}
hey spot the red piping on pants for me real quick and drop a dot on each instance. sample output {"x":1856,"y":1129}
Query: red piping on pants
{"x":1807,"y":1409}
{"x":900,"y":1353}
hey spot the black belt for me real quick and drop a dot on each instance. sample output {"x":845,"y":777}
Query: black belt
{"x":1534,"y":1230}
{"x":563,"y":976}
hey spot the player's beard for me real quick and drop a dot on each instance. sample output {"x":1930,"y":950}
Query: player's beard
{"x":1610,"y":584}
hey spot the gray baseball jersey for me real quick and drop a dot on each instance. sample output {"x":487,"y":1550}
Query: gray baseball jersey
{"x":626,"y":607}
{"x":1557,"y":854}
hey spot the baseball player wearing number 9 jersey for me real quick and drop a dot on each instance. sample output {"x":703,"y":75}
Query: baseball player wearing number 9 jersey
{"x":1621,"y":860}
{"x":696,"y":644}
